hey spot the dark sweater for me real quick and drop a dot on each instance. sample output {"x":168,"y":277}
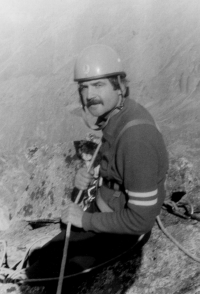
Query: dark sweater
{"x":138,"y":163}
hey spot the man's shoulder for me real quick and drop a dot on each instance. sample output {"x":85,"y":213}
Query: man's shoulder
{"x":135,"y":110}
{"x":139,"y":131}
{"x":134,"y":114}
{"x":131,"y":112}
{"x":137,"y":124}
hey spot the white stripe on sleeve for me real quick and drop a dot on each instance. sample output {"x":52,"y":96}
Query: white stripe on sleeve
{"x":143,"y":203}
{"x":142,"y":194}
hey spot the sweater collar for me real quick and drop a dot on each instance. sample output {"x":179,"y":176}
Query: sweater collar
{"x":115,"y":121}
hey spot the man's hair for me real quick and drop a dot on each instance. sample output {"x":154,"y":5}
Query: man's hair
{"x":115,"y":83}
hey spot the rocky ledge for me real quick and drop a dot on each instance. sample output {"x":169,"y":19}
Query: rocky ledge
{"x":29,"y":185}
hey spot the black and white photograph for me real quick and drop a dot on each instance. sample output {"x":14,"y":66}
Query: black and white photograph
{"x":99,"y":147}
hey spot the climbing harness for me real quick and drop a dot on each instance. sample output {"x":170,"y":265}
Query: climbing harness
{"x":90,"y":194}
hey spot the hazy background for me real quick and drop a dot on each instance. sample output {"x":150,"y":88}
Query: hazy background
{"x":159,"y":42}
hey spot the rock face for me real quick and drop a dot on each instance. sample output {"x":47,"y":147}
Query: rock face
{"x":40,"y":119}
{"x":36,"y":184}
{"x":161,"y":268}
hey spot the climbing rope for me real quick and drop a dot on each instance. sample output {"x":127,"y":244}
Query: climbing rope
{"x":175,"y":241}
{"x":64,"y":258}
{"x":4,"y":252}
{"x":18,"y":272}
{"x":10,"y":274}
{"x":186,"y":205}
{"x":189,"y":214}
{"x":19,"y":275}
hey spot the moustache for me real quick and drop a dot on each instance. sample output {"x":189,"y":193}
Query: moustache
{"x":93,"y":102}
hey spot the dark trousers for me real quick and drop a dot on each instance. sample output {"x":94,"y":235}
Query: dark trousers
{"x":85,"y":250}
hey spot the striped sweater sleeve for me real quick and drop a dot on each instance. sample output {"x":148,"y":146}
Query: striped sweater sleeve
{"x":137,"y":164}
{"x":139,"y":168}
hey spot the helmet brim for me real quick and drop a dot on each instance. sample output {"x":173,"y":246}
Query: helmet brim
{"x":104,"y":76}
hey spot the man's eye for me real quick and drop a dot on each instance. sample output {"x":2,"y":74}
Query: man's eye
{"x":98,"y":85}
{"x":82,"y":88}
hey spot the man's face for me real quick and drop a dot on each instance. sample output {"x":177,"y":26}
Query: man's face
{"x":99,"y":96}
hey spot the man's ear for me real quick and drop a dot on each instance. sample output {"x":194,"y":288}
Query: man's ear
{"x":122,"y":89}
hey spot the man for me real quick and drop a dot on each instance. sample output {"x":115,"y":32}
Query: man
{"x":133,"y":167}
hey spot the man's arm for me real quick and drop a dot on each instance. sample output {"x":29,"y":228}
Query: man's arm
{"x":137,"y":165}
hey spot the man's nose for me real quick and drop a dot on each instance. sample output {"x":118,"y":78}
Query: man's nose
{"x":91,"y":92}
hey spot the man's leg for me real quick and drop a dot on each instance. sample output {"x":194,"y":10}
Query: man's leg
{"x":46,"y":262}
{"x":85,"y":249}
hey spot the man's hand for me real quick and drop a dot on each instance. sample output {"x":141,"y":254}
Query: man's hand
{"x":83,"y":179}
{"x":72,"y":213}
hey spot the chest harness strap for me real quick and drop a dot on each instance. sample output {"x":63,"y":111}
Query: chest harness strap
{"x":113,"y":184}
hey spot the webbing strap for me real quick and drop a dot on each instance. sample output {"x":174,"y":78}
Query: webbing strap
{"x":132,"y":123}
